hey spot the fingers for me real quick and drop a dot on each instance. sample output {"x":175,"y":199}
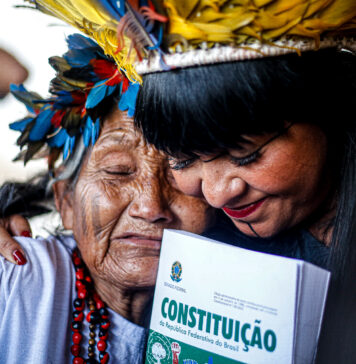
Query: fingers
{"x":19,"y":226}
{"x":10,"y":249}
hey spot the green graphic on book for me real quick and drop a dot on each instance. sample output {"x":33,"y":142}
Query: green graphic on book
{"x":164,"y":350}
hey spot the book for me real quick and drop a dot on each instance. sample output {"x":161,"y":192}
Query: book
{"x":215,"y":303}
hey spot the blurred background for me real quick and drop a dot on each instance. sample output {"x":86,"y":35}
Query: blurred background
{"x":31,"y":37}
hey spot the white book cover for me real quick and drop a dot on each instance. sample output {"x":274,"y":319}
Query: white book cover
{"x":215,"y":303}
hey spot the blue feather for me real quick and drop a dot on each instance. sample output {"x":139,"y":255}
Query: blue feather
{"x":87,"y":131}
{"x":79,"y":41}
{"x":116,"y":8}
{"x":98,"y":93}
{"x":59,"y":139}
{"x":21,"y":94}
{"x":79,"y":57}
{"x":128,"y":99}
{"x":42,"y":125}
{"x":72,"y":143}
{"x":63,"y":98}
{"x":159,"y":41}
{"x":20,"y":125}
{"x":14,"y":88}
{"x":66,"y":148}
{"x":110,"y":90}
{"x":95,"y":131}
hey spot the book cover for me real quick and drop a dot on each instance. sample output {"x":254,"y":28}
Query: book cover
{"x":215,"y":303}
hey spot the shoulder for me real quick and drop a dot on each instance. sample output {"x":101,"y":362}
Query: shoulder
{"x":35,"y":302}
{"x":40,"y":251}
{"x":46,"y":259}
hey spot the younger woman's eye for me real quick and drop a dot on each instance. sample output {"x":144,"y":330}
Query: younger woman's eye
{"x":180,"y":164}
{"x":243,"y":161}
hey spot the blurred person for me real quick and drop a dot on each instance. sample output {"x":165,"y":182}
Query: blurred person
{"x":11,"y":71}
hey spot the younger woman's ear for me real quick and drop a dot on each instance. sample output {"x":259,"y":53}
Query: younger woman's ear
{"x":63,"y":200}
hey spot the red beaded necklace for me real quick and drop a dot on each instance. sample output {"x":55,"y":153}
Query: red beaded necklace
{"x":97,"y":317}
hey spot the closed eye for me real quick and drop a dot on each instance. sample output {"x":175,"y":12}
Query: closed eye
{"x":243,"y":161}
{"x":122,"y":171}
{"x":180,"y":164}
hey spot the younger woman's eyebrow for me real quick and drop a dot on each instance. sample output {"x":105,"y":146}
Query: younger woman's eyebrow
{"x":215,"y":157}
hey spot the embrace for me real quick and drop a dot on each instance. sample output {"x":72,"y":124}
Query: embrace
{"x":232,"y":119}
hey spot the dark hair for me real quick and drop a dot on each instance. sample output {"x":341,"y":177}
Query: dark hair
{"x":207,"y":109}
{"x":25,"y":198}
{"x":204,"y":109}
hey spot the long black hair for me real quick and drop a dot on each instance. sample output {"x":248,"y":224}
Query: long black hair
{"x":208,"y":109}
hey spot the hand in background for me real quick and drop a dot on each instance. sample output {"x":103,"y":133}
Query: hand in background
{"x":11,"y":71}
{"x":15,"y":225}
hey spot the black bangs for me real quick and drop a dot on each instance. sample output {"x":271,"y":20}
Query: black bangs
{"x":205,"y":109}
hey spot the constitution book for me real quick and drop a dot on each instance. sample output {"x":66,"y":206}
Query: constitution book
{"x":215,"y":303}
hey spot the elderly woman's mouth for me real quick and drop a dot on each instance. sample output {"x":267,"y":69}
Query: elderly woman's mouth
{"x":143,"y":240}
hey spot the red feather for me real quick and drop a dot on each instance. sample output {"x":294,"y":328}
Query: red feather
{"x":57,"y":118}
{"x":134,"y":4}
{"x":125,"y":84}
{"x":114,"y":80}
{"x":103,"y":68}
{"x":79,"y":97}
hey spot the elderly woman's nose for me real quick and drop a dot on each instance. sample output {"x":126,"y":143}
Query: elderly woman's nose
{"x":222,"y":190}
{"x":151,"y":205}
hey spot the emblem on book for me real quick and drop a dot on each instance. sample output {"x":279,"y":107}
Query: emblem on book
{"x":176,"y":272}
{"x":158,"y":349}
{"x":158,"y":352}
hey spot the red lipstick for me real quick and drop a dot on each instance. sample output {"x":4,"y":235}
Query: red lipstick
{"x":244,"y":211}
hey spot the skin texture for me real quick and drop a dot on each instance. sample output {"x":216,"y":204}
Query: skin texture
{"x":291,"y":175}
{"x":121,"y":203}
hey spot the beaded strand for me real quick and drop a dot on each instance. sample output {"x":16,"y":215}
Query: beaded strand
{"x":97,"y":317}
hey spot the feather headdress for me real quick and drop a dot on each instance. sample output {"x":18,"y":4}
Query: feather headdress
{"x":86,"y":80}
{"x":181,"y":33}
{"x":126,"y":30}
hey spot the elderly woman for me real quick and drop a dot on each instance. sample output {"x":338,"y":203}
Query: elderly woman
{"x":88,"y":295}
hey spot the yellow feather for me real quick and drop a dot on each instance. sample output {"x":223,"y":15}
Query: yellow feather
{"x":276,"y":33}
{"x":281,"y":6}
{"x":315,"y":6}
{"x":339,"y":12}
{"x":90,"y":10}
{"x":266,"y":20}
{"x":261,"y":3}
{"x":192,"y":22}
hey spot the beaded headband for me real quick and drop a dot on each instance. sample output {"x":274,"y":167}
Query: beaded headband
{"x":85,"y":81}
{"x":168,"y":34}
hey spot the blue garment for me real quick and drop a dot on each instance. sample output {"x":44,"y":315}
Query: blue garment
{"x":295,"y":243}
{"x":36,"y":304}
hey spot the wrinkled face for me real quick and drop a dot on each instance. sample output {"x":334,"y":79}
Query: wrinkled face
{"x":273,"y":183}
{"x":122,"y":201}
